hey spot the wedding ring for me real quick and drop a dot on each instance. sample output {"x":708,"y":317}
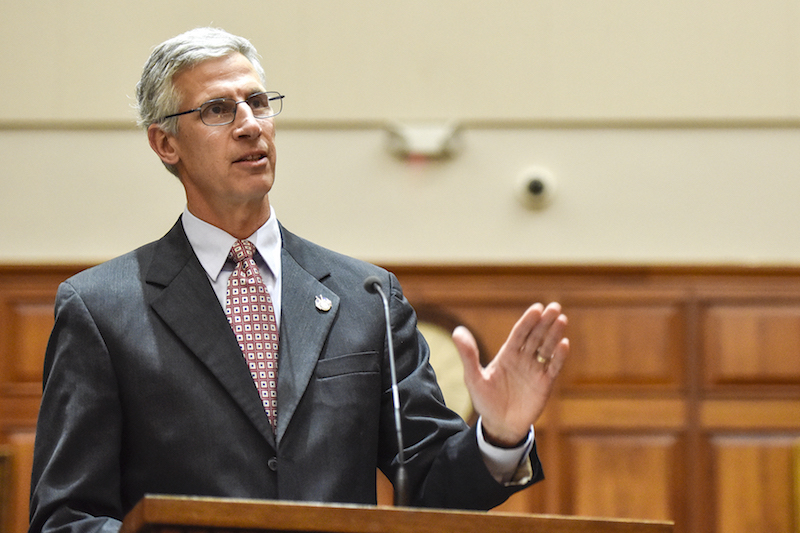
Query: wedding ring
{"x":542,"y":359}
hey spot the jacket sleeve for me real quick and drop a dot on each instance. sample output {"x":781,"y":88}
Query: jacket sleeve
{"x":75,"y":485}
{"x":445,"y":465}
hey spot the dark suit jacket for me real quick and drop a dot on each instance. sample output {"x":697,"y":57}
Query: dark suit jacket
{"x":146,"y":391}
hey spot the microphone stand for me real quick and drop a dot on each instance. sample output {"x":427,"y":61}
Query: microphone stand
{"x":401,"y":491}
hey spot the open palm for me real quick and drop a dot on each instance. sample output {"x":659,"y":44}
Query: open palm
{"x":511,"y":391}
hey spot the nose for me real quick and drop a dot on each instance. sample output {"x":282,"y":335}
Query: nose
{"x":247,"y":125}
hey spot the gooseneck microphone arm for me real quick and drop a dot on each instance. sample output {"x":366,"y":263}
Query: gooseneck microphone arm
{"x":401,"y":491}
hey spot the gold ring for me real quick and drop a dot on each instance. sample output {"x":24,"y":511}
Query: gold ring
{"x":540,"y":358}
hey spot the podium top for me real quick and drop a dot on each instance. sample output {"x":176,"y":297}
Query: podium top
{"x":171,"y":514}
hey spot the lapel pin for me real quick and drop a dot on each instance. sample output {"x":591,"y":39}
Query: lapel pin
{"x":322,"y":303}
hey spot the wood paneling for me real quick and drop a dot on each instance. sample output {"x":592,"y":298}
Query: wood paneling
{"x":30,"y":320}
{"x":680,"y":401}
{"x":756,"y":413}
{"x":636,"y":344}
{"x":753,"y":476}
{"x":622,"y":413}
{"x":752,"y":343}
{"x":27,"y":294}
{"x":624,"y":476}
{"x":664,"y":363}
{"x":20,"y":443}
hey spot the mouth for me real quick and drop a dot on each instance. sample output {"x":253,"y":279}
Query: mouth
{"x":254,"y":157}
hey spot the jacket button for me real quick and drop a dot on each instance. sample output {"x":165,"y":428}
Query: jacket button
{"x":273,"y":464}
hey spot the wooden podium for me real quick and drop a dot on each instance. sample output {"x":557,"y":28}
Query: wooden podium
{"x":168,"y":514}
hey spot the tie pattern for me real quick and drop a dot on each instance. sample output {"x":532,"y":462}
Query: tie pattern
{"x":252,"y":318}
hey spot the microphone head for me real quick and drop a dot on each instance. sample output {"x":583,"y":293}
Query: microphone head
{"x":372,"y":284}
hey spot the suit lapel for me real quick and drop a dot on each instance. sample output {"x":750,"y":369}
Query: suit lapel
{"x":187,"y":304}
{"x":304,"y":329}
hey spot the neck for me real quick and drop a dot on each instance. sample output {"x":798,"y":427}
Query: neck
{"x":240,"y":222}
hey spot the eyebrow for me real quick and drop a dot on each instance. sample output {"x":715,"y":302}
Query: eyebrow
{"x":249,"y":94}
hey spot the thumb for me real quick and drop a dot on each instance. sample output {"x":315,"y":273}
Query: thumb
{"x":468,"y":350}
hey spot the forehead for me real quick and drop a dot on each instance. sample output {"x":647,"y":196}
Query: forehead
{"x":230,"y":76}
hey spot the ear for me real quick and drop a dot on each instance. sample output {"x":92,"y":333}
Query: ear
{"x":163,"y":144}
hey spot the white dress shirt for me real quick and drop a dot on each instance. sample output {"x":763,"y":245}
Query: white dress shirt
{"x":212,"y":245}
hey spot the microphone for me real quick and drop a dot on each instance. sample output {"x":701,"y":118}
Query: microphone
{"x":401,"y":494}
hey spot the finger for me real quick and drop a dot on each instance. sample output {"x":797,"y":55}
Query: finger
{"x":467,"y":348}
{"x":559,"y":356}
{"x":552,"y":337}
{"x":522,"y":330}
{"x":541,"y":330}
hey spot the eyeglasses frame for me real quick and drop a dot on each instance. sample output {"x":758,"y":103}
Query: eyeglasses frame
{"x":278,"y":96}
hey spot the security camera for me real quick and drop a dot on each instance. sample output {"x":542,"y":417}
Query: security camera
{"x":536,"y":187}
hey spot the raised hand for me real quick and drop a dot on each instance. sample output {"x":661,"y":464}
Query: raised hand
{"x":511,"y":391}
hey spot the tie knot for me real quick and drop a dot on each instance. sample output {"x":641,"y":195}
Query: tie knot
{"x":242,"y":250}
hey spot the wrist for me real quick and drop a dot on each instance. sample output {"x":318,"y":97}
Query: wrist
{"x":506,"y":443}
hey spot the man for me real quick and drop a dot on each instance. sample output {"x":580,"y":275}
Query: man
{"x":148,"y":388}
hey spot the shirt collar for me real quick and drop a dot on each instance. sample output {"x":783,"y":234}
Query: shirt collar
{"x":212,"y":244}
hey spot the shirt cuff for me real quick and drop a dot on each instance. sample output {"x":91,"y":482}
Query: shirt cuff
{"x":508,"y":466}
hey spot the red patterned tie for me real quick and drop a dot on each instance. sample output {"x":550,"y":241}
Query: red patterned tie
{"x":252,"y":317}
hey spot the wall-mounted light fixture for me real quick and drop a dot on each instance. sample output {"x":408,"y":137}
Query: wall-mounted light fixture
{"x":423,"y":141}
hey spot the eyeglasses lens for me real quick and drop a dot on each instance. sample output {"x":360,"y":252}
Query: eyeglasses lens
{"x":217,"y":112}
{"x":223,"y":111}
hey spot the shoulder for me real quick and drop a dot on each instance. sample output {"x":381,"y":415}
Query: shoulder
{"x":342,"y":273}
{"x":168,"y":253}
{"x":323,"y":262}
{"x":111,"y":273}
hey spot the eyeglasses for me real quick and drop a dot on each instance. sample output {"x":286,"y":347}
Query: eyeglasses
{"x":221,"y":111}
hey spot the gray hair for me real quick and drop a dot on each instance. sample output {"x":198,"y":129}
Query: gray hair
{"x":156,"y":96}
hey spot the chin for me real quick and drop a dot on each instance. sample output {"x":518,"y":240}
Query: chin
{"x":259,"y":188}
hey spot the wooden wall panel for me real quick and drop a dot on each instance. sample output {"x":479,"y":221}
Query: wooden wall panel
{"x":753,"y":484}
{"x":751,"y":414}
{"x":752,"y":342}
{"x":27,"y":295}
{"x":622,"y":413}
{"x":30,"y":320}
{"x":637,"y":344}
{"x":20,"y":443}
{"x":624,"y":476}
{"x":652,"y":359}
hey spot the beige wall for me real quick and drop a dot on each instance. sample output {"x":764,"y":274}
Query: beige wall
{"x":671,"y":127}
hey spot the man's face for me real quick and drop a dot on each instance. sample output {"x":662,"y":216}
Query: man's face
{"x":223,"y":168}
